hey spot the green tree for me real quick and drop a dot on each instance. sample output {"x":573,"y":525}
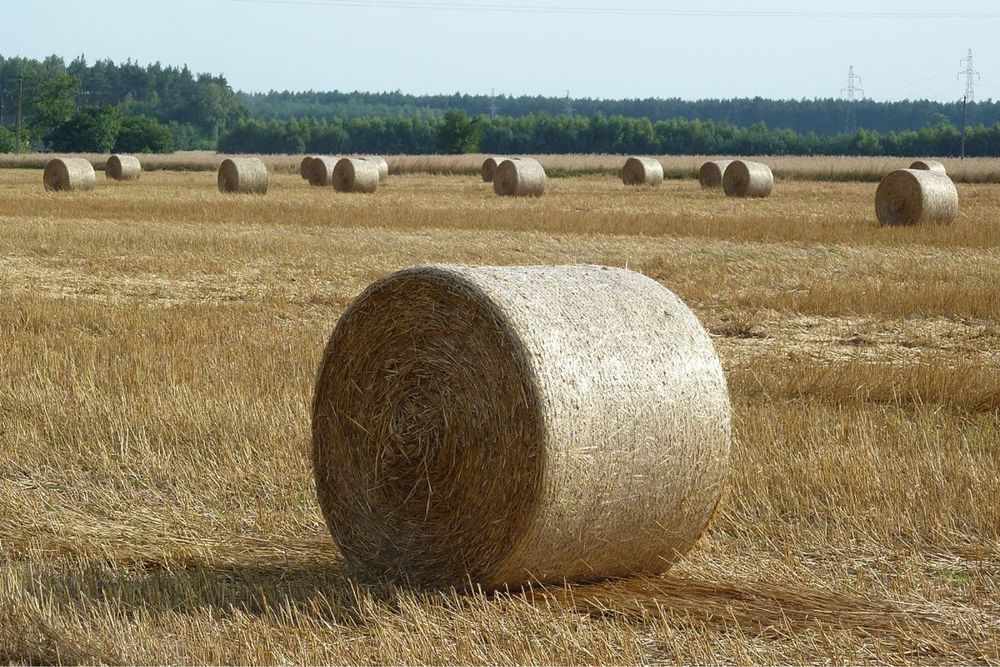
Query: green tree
{"x":91,"y":130}
{"x":7,"y":141}
{"x":49,"y":103}
{"x":141,"y":134}
{"x":458,"y":134}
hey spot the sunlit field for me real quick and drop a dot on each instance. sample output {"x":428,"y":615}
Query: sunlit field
{"x":158,"y":348}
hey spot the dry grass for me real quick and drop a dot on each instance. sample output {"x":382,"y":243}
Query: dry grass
{"x":158,"y":344}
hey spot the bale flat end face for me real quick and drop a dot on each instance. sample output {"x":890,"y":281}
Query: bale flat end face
{"x":710,"y":174}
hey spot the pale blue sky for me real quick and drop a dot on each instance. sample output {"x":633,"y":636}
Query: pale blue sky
{"x":423,"y":46}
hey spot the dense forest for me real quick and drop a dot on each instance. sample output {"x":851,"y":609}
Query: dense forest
{"x":824,"y":116}
{"x":104,"y":106}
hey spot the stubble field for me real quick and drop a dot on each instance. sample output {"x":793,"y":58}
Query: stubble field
{"x":159,"y":341}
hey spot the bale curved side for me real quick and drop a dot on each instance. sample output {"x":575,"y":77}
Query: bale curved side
{"x":523,"y":177}
{"x":642,"y":171}
{"x":743,"y":178}
{"x":916,"y":196}
{"x":355,"y":175}
{"x":469,"y":427}
{"x":383,"y":166}
{"x":710,"y":174}
{"x":243,"y":175}
{"x":320,"y":170}
{"x":929,"y":165}
{"x":304,"y":166}
{"x":123,"y":168}
{"x":69,"y":174}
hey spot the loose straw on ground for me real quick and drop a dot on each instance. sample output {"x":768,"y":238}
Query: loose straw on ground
{"x":642,"y":171}
{"x":496,"y":426}
{"x":243,"y":175}
{"x":523,"y":177}
{"x":69,"y":174}
{"x":747,"y":179}
{"x":915,"y":196}
{"x":123,"y":168}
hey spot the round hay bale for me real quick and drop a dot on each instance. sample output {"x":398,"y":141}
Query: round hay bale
{"x":914,"y":196}
{"x":243,"y":175}
{"x":123,"y":168}
{"x":522,"y":177}
{"x":747,"y":179}
{"x":642,"y":171}
{"x":383,"y":166}
{"x":710,"y":174}
{"x":355,"y":175}
{"x":304,"y":165}
{"x":495,"y":426}
{"x":489,"y":167}
{"x":69,"y":174}
{"x":321,"y":169}
{"x":929,"y":165}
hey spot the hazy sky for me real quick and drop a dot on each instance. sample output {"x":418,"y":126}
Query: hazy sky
{"x":593,"y":48}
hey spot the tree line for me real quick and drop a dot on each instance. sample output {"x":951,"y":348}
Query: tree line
{"x":104,"y":106}
{"x":822,"y":116}
{"x":456,"y":132}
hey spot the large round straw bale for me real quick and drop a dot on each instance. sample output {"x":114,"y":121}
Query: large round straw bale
{"x":912,"y":196}
{"x":69,"y":174}
{"x":383,"y":166}
{"x":243,"y":175}
{"x":355,"y":175}
{"x":747,"y":179}
{"x":710,"y":174}
{"x":642,"y":171}
{"x":304,"y":165}
{"x":489,"y":167}
{"x":495,"y":426}
{"x":123,"y":168}
{"x":321,"y":169}
{"x":929,"y":165}
{"x":523,"y":177}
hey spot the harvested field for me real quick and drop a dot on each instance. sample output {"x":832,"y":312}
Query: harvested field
{"x":158,"y":354}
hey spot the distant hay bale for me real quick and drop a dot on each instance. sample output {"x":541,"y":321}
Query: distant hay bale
{"x":929,"y":165}
{"x":321,"y":169}
{"x":747,"y":179}
{"x":304,"y":166}
{"x":489,"y":167}
{"x":383,"y":166}
{"x":710,"y":174}
{"x":915,"y":196}
{"x":123,"y":168}
{"x":642,"y":171}
{"x":522,"y":177}
{"x":69,"y":174}
{"x":243,"y":175}
{"x":355,"y":175}
{"x":495,"y":426}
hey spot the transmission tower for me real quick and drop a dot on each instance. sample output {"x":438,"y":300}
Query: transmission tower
{"x":970,"y":74}
{"x":851,"y":95}
{"x":493,"y":104}
{"x":568,"y":109}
